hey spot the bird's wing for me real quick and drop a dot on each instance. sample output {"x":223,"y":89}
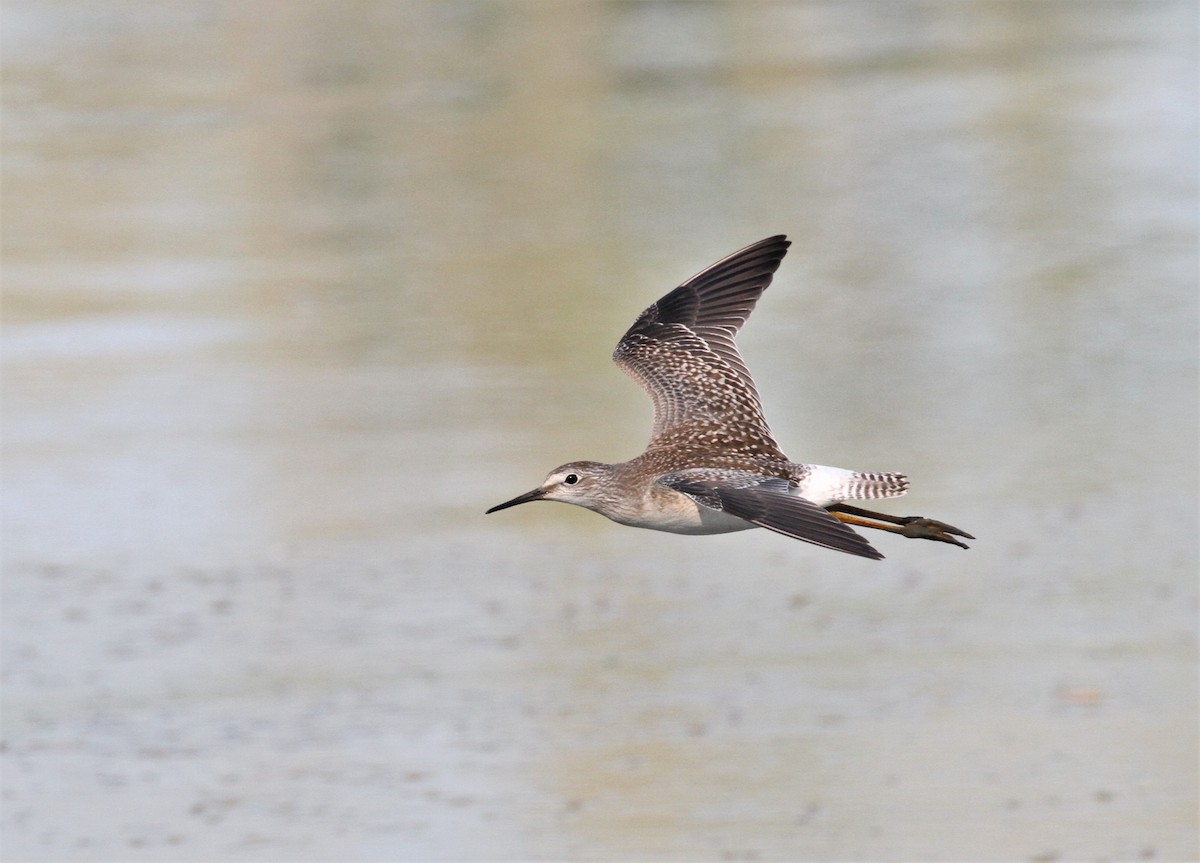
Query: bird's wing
{"x":681,"y":349}
{"x":767,"y":503}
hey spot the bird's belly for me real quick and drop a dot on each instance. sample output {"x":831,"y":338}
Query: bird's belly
{"x":681,"y":514}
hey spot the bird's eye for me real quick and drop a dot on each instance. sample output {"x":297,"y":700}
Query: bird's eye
{"x":571,"y":479}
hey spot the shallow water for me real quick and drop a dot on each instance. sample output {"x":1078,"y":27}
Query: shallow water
{"x":293,"y":294}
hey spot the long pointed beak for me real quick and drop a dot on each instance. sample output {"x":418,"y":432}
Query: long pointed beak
{"x":536,"y":494}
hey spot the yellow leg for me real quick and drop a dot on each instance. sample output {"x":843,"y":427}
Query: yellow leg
{"x":912,"y":526}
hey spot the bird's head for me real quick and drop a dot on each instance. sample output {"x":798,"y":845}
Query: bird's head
{"x":577,"y":482}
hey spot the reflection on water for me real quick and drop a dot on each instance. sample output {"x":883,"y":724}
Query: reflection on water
{"x":291,"y":295}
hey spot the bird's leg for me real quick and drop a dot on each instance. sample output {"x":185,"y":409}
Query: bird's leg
{"x":913,"y":526}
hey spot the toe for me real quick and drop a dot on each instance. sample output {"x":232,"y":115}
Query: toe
{"x":928,"y":528}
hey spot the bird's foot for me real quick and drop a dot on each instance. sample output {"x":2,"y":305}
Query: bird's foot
{"x":919,"y":527}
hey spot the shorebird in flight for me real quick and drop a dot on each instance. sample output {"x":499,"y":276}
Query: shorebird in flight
{"x":712,"y":465}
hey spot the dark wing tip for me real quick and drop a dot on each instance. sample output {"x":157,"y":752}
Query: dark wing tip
{"x":796,"y":517}
{"x":724,"y":292}
{"x":759,"y":259}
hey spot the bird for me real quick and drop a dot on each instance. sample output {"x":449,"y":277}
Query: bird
{"x":712,"y":464}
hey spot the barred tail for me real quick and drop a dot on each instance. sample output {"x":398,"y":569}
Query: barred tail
{"x":872,"y":486}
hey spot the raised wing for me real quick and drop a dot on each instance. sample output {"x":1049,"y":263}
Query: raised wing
{"x":681,"y":349}
{"x":768,"y":503}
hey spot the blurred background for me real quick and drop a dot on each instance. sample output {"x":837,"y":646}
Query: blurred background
{"x":293,"y":292}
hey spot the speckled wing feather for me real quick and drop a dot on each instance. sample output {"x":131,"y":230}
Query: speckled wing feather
{"x":681,"y":349}
{"x":768,"y":503}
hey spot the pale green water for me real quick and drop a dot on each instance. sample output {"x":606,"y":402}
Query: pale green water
{"x":293,"y":293}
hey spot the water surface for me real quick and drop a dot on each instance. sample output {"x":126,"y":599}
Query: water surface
{"x":292,"y":294}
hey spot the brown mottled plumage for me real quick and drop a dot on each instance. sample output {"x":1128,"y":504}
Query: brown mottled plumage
{"x":712,"y":465}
